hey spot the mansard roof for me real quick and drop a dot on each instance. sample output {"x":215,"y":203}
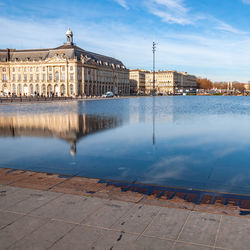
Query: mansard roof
{"x":69,"y":51}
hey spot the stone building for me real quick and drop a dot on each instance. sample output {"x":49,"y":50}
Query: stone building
{"x":63,"y":71}
{"x":170,"y":82}
{"x":137,"y":80}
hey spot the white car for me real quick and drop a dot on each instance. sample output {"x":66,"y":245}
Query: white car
{"x":108,"y":94}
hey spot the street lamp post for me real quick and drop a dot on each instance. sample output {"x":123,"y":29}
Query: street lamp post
{"x":154,"y":48}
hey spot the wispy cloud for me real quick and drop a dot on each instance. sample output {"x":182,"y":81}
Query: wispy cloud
{"x":246,"y":1}
{"x":228,"y":28}
{"x":123,"y":3}
{"x":170,"y":11}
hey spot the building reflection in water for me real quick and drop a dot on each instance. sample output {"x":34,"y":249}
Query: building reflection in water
{"x":69,"y":127}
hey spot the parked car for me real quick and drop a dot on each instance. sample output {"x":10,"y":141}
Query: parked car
{"x":108,"y":94}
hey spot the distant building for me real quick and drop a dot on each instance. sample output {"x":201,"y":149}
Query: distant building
{"x":247,"y":86}
{"x":63,"y":71}
{"x":137,"y":80}
{"x":170,"y":82}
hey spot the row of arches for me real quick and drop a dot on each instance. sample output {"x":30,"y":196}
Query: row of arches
{"x":38,"y":90}
{"x":62,"y":90}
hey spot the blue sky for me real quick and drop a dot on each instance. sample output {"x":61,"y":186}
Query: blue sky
{"x":208,"y":38}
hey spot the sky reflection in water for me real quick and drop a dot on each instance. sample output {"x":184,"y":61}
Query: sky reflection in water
{"x":191,"y":142}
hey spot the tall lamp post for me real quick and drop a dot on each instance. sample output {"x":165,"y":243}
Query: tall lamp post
{"x":154,"y":48}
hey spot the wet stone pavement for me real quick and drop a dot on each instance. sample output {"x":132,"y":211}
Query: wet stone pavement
{"x":39,"y":211}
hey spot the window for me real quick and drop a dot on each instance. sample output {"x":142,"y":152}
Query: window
{"x":19,"y":69}
{"x":63,"y":89}
{"x":25,"y":77}
{"x":19,"y":77}
{"x":4,"y":69}
{"x":71,"y":89}
{"x":14,"y":89}
{"x":37,"y":77}
{"x":37,"y":88}
{"x":50,"y":77}
{"x":50,"y":68}
{"x":44,"y":89}
{"x":31,"y":89}
{"x":24,"y":69}
{"x":63,"y":77}
{"x":71,"y":68}
{"x":4,"y":77}
{"x":13,"y":77}
{"x":71,"y":76}
{"x":44,"y":68}
{"x":63,"y":68}
{"x":57,"y":76}
{"x":13,"y":69}
{"x":19,"y":89}
{"x":44,"y":77}
{"x":31,"y":69}
{"x":31,"y":77}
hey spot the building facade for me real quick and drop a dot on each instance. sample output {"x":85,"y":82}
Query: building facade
{"x":170,"y":82}
{"x":137,"y":81}
{"x":63,"y":71}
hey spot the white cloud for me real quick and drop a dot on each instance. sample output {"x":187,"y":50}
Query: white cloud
{"x":228,"y":28}
{"x":123,"y":3}
{"x":170,"y":11}
{"x":246,"y":1}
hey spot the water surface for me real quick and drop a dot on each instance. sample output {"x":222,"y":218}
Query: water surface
{"x":183,"y":141}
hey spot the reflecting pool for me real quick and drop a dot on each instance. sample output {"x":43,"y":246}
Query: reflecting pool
{"x":183,"y":141}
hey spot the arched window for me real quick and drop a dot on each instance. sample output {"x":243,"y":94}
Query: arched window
{"x":43,"y":89}
{"x":14,"y":88}
{"x":56,"y":90}
{"x":63,"y":90}
{"x":37,"y":89}
{"x":49,"y":90}
{"x":25,"y":89}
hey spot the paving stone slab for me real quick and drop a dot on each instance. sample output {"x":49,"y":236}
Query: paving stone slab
{"x":108,"y":214}
{"x":19,"y":229}
{"x":137,"y":219}
{"x":234,"y":233}
{"x":114,"y":240}
{"x":149,"y":243}
{"x":44,"y":237}
{"x":168,"y":223}
{"x":81,"y":237}
{"x":11,"y":196}
{"x":187,"y":246}
{"x":34,"y":200}
{"x":70,"y":208}
{"x":7,"y":218}
{"x":4,"y":189}
{"x":201,"y":228}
